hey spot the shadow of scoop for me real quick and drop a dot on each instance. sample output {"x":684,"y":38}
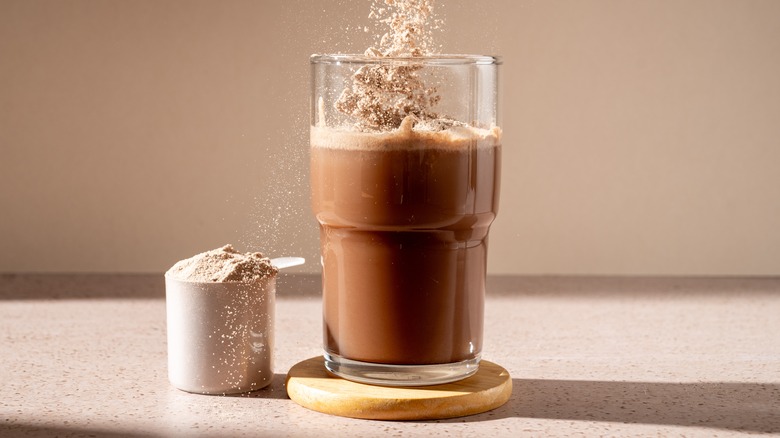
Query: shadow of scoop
{"x":752,"y":407}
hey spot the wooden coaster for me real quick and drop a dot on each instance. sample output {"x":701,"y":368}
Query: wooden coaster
{"x":311,"y":386}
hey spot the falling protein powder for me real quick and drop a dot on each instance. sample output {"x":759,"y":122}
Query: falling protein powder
{"x":381,"y":96}
{"x":223,"y":265}
{"x":411,"y":24}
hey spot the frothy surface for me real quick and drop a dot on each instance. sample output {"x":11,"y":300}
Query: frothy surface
{"x":406,"y":136}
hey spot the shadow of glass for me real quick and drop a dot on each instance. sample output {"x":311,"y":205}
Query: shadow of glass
{"x":750,"y":407}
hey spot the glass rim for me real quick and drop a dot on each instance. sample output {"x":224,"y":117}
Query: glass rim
{"x":438,"y":59}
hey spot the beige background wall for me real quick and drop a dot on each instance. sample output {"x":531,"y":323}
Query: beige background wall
{"x":642,"y":136}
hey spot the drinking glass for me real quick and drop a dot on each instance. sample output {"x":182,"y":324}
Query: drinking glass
{"x":404,"y":215}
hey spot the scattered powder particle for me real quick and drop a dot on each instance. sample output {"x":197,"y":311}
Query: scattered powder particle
{"x":223,"y":265}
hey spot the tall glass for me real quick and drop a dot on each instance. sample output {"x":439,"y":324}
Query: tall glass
{"x":404,"y":214}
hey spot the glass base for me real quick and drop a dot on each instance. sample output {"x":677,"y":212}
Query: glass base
{"x":400,"y":375}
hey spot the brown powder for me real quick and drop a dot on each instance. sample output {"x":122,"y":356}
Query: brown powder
{"x":223,"y":265}
{"x":411,"y":24}
{"x":382,"y":95}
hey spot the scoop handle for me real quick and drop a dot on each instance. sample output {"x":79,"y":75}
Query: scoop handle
{"x":286,"y":262}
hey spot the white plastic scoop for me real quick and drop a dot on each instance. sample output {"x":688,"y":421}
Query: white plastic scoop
{"x":203,"y":316}
{"x":287,"y":262}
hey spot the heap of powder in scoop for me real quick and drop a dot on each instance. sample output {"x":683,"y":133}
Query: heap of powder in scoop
{"x":223,"y":265}
{"x":381,"y":96}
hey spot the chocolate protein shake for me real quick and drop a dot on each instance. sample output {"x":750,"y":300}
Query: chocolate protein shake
{"x":405,"y":169}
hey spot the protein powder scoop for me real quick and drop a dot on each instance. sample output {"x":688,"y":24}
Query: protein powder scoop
{"x":220,"y":317}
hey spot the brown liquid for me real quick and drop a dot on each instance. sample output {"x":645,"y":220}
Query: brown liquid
{"x":404,"y":244}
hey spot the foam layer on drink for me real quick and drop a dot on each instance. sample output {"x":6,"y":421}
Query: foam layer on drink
{"x":410,"y":134}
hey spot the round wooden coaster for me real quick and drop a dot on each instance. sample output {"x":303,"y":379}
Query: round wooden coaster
{"x":311,"y":386}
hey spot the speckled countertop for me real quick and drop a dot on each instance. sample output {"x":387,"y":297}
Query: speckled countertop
{"x":85,"y":355}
